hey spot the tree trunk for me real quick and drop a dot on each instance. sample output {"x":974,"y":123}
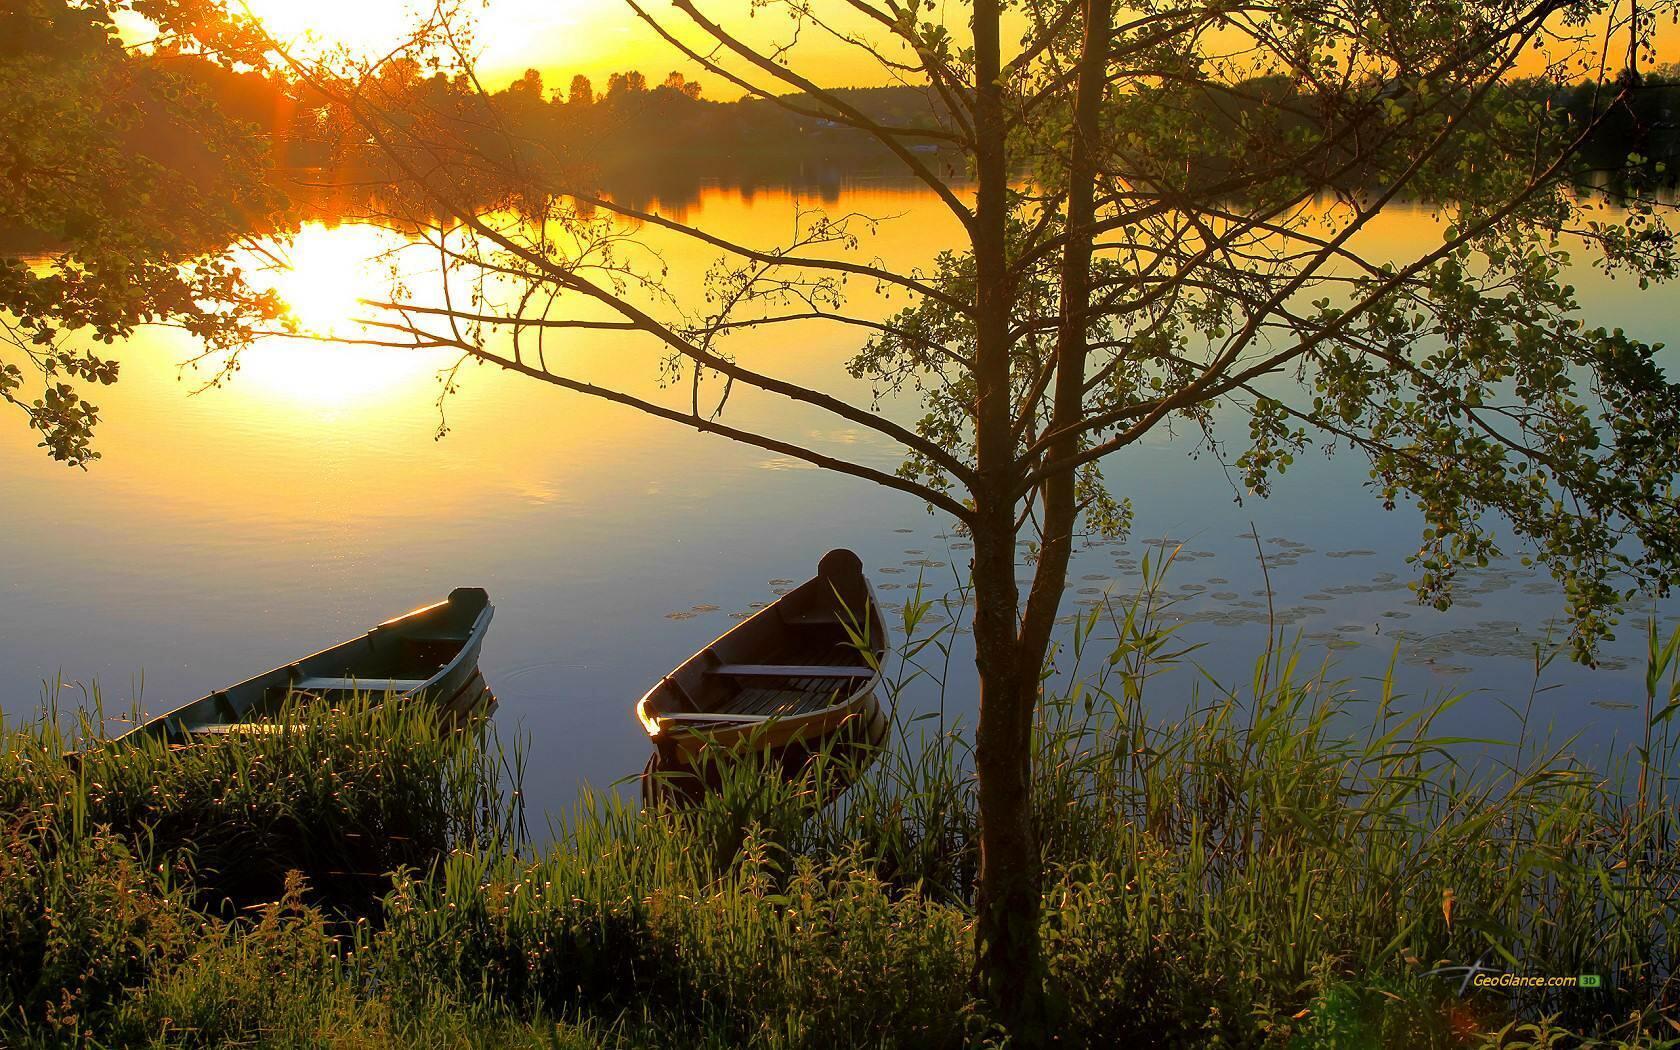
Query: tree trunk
{"x":1009,"y":965}
{"x":1061,"y":510}
{"x":1010,"y":651}
{"x":1008,"y":968}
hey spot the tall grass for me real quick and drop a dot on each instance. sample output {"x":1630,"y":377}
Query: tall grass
{"x":1282,"y":865}
{"x":345,"y":797}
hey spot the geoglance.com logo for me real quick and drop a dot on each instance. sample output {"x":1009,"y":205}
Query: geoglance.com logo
{"x":1524,"y":980}
{"x":1479,"y":975}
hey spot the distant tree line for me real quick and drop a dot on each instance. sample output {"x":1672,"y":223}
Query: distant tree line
{"x":630,"y":128}
{"x":632,"y":131}
{"x":635,"y":129}
{"x":1646,"y":124}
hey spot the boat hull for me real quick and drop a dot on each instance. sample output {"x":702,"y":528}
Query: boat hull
{"x":429,"y":655}
{"x":799,"y":679}
{"x":687,"y":769}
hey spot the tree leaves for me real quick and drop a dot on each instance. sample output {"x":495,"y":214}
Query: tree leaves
{"x":121,"y":189}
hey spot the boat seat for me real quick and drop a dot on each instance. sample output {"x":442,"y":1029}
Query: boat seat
{"x":790,"y":671}
{"x":358,"y":685}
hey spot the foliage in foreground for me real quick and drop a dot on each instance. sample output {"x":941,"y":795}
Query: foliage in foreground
{"x":1268,"y":870}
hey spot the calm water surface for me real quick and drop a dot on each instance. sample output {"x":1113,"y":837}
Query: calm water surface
{"x":234,"y":530}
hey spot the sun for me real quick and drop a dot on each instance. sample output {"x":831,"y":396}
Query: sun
{"x":557,"y":37}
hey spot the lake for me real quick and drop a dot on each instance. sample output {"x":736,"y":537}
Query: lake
{"x":232,"y":530}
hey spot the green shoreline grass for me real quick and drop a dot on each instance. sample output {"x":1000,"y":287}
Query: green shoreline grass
{"x":1273,"y":869}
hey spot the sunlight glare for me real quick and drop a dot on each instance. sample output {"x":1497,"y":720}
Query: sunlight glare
{"x":328,"y":271}
{"x":328,"y":380}
{"x":365,"y":27}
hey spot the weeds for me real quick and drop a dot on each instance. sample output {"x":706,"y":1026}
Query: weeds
{"x":1280,"y":866}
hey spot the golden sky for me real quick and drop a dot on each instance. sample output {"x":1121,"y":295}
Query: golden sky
{"x":598,"y":37}
{"x":564,"y":37}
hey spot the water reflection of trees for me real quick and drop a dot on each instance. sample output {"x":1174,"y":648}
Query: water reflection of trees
{"x":334,"y":196}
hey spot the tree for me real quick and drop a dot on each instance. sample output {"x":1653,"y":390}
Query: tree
{"x":619,"y":84}
{"x":529,"y":85}
{"x":116,"y":171}
{"x":675,"y":81}
{"x":582,"y":92}
{"x":1201,"y":172}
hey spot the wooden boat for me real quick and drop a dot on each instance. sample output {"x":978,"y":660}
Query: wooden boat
{"x":430,"y":653}
{"x":790,"y":681}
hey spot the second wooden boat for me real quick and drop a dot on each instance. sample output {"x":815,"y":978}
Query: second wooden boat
{"x":799,"y":676}
{"x":430,"y":654}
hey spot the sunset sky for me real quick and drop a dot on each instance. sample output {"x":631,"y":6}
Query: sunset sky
{"x":565,"y":37}
{"x":598,"y":37}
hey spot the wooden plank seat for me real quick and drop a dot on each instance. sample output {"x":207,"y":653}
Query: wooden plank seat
{"x":783,"y":702}
{"x":358,"y":685}
{"x":790,"y":671}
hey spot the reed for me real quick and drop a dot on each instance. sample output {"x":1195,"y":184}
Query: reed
{"x":1285,"y":864}
{"x":345,"y":796}
{"x":1290,"y":861}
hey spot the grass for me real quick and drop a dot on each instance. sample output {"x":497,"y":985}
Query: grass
{"x":1278,"y":867}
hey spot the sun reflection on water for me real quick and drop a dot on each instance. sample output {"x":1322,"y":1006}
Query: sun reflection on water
{"x":326,"y":380}
{"x":323,"y":274}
